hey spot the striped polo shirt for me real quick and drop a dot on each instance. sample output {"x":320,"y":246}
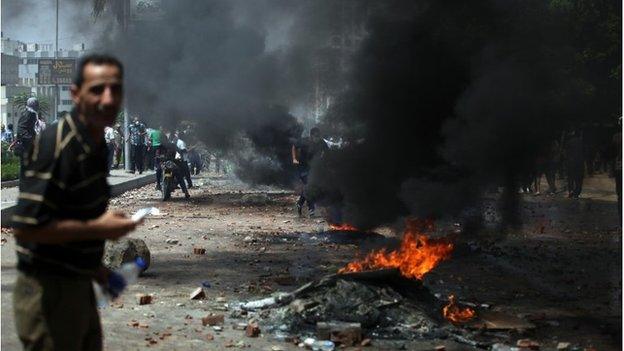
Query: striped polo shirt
{"x":64,"y":178}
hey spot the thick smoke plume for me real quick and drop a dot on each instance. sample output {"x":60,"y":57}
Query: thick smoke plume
{"x":448,"y":99}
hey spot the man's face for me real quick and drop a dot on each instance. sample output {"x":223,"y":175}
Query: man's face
{"x":100,"y":96}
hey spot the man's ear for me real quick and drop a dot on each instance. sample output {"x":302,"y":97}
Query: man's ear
{"x":75,"y":92}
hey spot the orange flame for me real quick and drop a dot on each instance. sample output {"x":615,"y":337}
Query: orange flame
{"x":417,"y":255}
{"x":345,"y":227}
{"x":456,"y":314}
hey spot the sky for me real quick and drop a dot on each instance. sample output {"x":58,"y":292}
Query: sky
{"x":34,"y":21}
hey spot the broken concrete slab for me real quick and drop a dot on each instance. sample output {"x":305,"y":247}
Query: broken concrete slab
{"x":125,"y":250}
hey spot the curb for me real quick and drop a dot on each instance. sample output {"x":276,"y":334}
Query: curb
{"x":9,"y":183}
{"x":116,"y":190}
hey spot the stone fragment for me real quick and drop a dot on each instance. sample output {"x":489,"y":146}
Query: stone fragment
{"x":563,"y":346}
{"x":300,"y":305}
{"x":198,"y":294}
{"x":199,"y":251}
{"x":366,"y":342}
{"x":346,"y":334}
{"x":145,"y":299}
{"x":252,"y":330}
{"x":528,"y":344}
{"x":125,"y":250}
{"x":171,"y":241}
{"x":440,"y":348}
{"x":213,"y":320}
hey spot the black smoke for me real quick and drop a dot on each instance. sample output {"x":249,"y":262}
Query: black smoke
{"x":448,"y":99}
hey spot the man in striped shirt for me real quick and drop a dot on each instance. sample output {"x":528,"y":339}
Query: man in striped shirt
{"x":61,"y":219}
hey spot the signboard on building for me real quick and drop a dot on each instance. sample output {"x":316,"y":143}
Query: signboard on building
{"x":56,"y":71}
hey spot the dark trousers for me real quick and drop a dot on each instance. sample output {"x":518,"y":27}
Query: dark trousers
{"x":150,"y":158}
{"x":56,"y":313}
{"x":575,"y":179}
{"x":136,"y":157}
{"x":618,"y":190}
{"x":186,"y":172}
{"x":22,"y":151}
{"x":157,"y":160}
{"x":550,"y":171}
{"x":110,"y":148}
{"x":303,"y":197}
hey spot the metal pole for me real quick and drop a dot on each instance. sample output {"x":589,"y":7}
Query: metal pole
{"x":56,"y":48}
{"x":124,"y":25}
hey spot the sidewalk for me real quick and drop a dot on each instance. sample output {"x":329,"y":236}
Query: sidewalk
{"x":119,"y":180}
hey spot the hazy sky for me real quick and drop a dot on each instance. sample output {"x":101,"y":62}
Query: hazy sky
{"x":34,"y":21}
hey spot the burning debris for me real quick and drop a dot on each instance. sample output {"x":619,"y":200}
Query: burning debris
{"x":343,"y":227}
{"x":417,"y":255}
{"x":457,"y":314}
{"x":381,"y":296}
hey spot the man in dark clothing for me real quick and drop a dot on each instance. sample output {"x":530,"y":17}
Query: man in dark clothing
{"x":302,"y":154}
{"x":26,"y":130}
{"x":575,"y":168}
{"x":61,"y":219}
{"x":137,"y":145}
{"x":616,"y":145}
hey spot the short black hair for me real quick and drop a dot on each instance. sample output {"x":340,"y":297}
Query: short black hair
{"x":95,"y":59}
{"x":10,"y":126}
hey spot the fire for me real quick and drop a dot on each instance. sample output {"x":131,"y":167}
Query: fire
{"x":345,"y":227}
{"x":456,"y":314}
{"x":417,"y":255}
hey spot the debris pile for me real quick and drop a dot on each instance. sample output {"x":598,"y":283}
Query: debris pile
{"x":348,"y":308}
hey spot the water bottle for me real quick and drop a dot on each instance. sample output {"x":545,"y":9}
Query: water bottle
{"x":130,"y":271}
{"x":118,"y":280}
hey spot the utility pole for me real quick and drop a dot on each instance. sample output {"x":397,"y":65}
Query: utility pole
{"x":56,"y":48}
{"x":126,"y":123}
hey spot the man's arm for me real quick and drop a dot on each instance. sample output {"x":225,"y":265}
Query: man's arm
{"x":110,"y":225}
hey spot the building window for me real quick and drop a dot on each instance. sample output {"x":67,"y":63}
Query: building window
{"x":31,"y":61}
{"x":67,"y":102}
{"x":65,"y":87}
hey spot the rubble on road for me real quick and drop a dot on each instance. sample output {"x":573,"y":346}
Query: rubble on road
{"x":145,"y":299}
{"x":252,"y":330}
{"x":198,"y":294}
{"x":338,"y":307}
{"x":213,"y":320}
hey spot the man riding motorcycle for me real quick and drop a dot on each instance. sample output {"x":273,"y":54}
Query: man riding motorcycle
{"x":171,"y":168}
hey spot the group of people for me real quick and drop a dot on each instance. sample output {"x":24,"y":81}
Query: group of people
{"x":565,"y":159}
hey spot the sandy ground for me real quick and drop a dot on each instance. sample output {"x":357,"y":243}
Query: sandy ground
{"x":561,"y":270}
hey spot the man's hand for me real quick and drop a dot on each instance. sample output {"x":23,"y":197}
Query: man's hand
{"x":295,"y":161}
{"x":112,"y":225}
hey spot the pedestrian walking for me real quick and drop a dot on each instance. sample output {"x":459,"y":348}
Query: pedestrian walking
{"x":7,"y":134}
{"x":109,"y":138}
{"x":118,"y":145}
{"x":183,"y":155}
{"x":575,"y":166}
{"x":137,"y":145}
{"x":26,"y":131}
{"x":61,"y":219}
{"x":302,"y":155}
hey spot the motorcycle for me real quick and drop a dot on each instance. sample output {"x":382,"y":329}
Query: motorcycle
{"x":168,"y":181}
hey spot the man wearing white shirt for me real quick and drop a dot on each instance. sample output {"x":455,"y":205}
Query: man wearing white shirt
{"x":181,"y":146}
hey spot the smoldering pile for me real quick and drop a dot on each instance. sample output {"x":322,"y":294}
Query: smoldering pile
{"x":347,"y":308}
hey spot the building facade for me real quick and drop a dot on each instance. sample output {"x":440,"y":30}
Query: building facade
{"x":20,"y":62}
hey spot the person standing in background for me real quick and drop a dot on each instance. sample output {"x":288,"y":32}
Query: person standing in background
{"x":137,"y":145}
